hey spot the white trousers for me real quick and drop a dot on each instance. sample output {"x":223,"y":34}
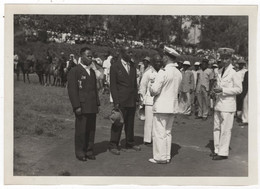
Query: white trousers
{"x":223,"y":123}
{"x":203,"y":102}
{"x":162,"y":137}
{"x":185,"y":103}
{"x":245,"y":110}
{"x":148,"y":123}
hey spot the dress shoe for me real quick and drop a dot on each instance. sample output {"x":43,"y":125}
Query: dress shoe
{"x":157,"y":162}
{"x":91,"y":157}
{"x":217,"y":157}
{"x":213,"y":154}
{"x":148,"y":144}
{"x":204,"y":118}
{"x":82,"y":158}
{"x":114,"y":151}
{"x":135,"y":148}
{"x":198,"y":117}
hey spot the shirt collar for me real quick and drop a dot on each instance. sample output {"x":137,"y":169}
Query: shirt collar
{"x":84,"y":66}
{"x":125,"y":63}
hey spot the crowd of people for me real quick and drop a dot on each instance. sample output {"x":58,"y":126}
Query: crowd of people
{"x":163,"y":88}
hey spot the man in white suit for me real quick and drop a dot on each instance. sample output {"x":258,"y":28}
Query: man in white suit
{"x":165,"y":91}
{"x":228,"y":86}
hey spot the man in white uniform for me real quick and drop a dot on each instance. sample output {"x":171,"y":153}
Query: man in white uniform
{"x":165,"y":91}
{"x":228,"y":86}
{"x":146,"y":98}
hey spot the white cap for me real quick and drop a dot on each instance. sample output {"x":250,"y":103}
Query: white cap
{"x":196,"y":63}
{"x":186,"y":63}
{"x":171,"y":51}
{"x":175,"y":64}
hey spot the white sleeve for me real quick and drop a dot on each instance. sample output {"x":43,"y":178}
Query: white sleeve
{"x":156,"y":87}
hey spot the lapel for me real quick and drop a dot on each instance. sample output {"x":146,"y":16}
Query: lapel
{"x":226,"y":73}
{"x":122,"y":68}
{"x":83,"y":71}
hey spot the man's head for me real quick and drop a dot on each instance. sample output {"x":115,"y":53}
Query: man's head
{"x":71,"y":56}
{"x":146,"y":61}
{"x":204,"y":64}
{"x":169,"y":55}
{"x":157,"y":62}
{"x":126,"y":53}
{"x":241,"y":64}
{"x":220,"y":63}
{"x":226,"y":56}
{"x":197,"y":65}
{"x":86,"y":56}
{"x":186,"y":65}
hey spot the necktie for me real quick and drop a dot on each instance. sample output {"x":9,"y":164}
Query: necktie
{"x":223,"y":71}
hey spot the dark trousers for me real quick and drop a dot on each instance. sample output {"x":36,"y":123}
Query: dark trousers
{"x":85,"y":128}
{"x":129,"y":116}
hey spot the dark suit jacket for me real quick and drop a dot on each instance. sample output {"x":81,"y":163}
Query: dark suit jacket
{"x":123,"y":86}
{"x":82,"y":89}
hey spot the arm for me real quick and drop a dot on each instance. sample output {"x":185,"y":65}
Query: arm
{"x":156,"y":87}
{"x":245,"y":85}
{"x":73,"y":89}
{"x":144,"y":85}
{"x":98,"y":101}
{"x":113,"y":85}
{"x":191,"y":82}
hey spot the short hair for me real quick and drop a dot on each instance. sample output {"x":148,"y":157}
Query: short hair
{"x":82,"y":50}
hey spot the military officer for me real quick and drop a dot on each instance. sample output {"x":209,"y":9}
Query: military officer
{"x":228,"y":86}
{"x":83,"y":95}
{"x":165,"y":91}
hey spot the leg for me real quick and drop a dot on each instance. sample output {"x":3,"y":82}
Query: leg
{"x":129,"y":127}
{"x":80,"y":136}
{"x":245,"y":110}
{"x":199,"y":100}
{"x":28,"y":77}
{"x":169,"y":135}
{"x":90,"y":133}
{"x":159,"y":137}
{"x":225,"y":135}
{"x":216,"y":131}
{"x":148,"y":123}
{"x":205,"y":103}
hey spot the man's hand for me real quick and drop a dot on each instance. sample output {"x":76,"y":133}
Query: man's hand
{"x":78,"y":111}
{"x":218,"y":90}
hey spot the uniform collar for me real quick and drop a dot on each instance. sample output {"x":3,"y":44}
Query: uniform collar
{"x":84,"y":66}
{"x":125,"y":63}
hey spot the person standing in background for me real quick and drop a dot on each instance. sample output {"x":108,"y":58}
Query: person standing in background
{"x":146,"y":98}
{"x":186,"y":89}
{"x":205,"y":76}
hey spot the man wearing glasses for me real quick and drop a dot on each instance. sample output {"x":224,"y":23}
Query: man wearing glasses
{"x":83,"y":95}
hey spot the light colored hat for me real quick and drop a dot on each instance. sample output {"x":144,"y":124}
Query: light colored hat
{"x":170,"y":51}
{"x":175,"y":64}
{"x":196,"y":63}
{"x":71,"y":54}
{"x":116,"y":117}
{"x":186,"y":63}
{"x":214,"y":65}
{"x":226,"y":52}
{"x":147,"y":59}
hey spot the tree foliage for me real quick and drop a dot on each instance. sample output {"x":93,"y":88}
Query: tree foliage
{"x":225,"y":31}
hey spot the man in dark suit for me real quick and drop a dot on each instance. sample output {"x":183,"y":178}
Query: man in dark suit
{"x":123,"y":87}
{"x":82,"y":90}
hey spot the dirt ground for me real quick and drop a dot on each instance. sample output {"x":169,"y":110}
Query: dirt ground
{"x":44,"y":151}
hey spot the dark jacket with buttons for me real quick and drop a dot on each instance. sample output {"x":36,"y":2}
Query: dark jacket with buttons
{"x":82,"y":90}
{"x":123,"y":86}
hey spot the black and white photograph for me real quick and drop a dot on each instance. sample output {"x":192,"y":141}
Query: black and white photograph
{"x":113,"y":92}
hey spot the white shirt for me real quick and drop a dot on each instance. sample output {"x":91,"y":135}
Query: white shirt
{"x":87,"y":68}
{"x":126,"y":66}
{"x":107,"y":64}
